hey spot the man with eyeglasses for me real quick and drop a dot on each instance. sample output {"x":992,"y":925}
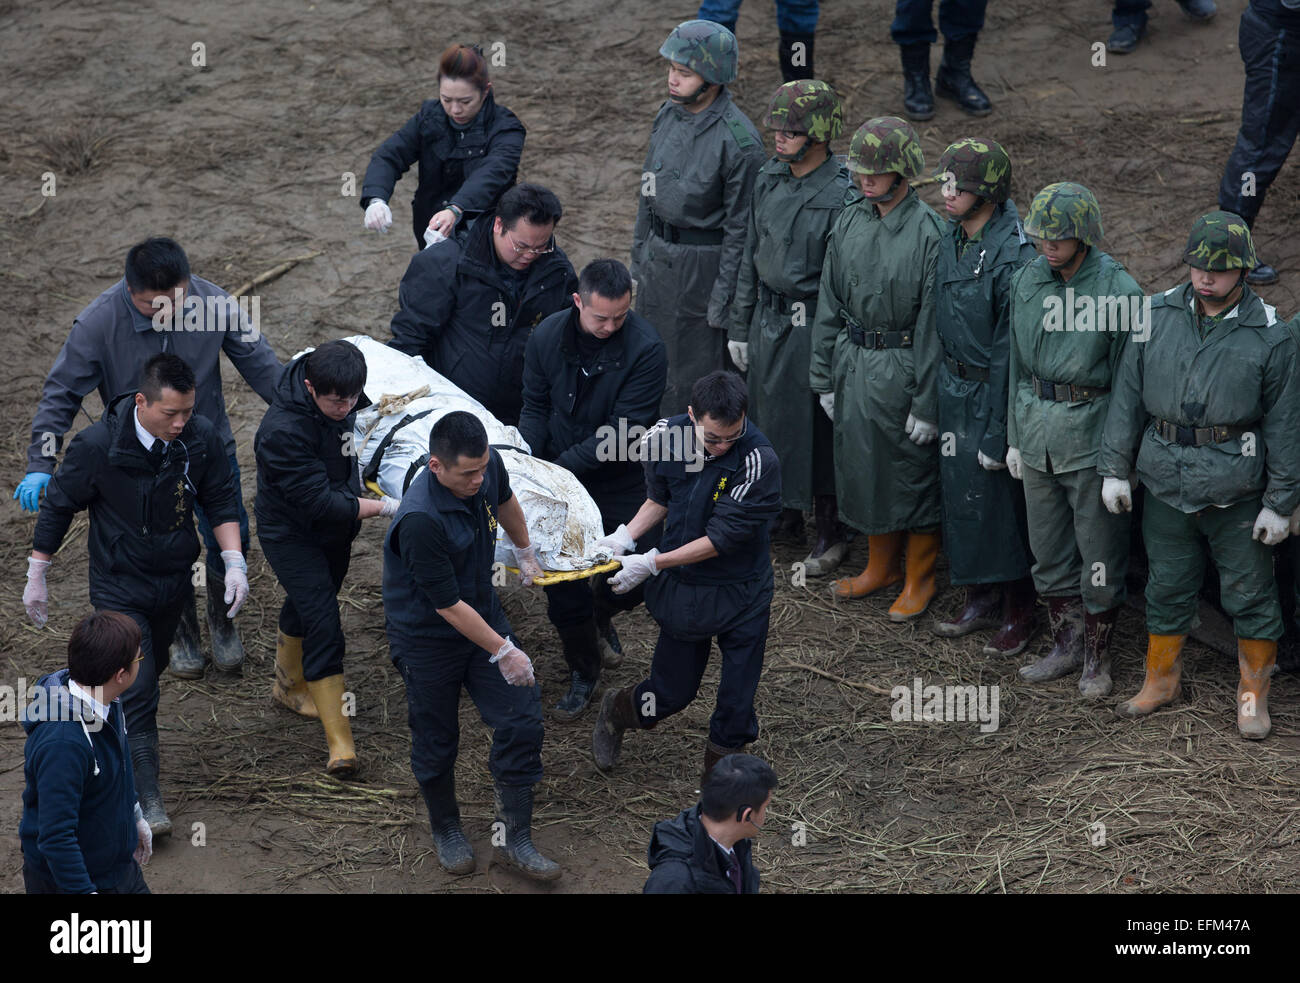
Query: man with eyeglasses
{"x":468,"y":304}
{"x":140,"y":471}
{"x":715,"y":483}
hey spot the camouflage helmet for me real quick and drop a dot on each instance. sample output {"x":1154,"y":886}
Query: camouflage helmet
{"x":981,"y":167}
{"x":1220,"y":241}
{"x":886,"y":144}
{"x":1065,"y":210}
{"x":806,"y":106}
{"x":707,"y":49}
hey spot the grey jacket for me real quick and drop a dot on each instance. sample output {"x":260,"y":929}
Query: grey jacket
{"x":110,"y":341}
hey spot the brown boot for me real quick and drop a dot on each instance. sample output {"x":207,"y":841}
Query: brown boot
{"x":712,"y":755}
{"x":884,"y":567}
{"x":980,"y":611}
{"x":327,"y":694}
{"x":289,"y":688}
{"x":1164,"y":673}
{"x":1019,"y":600}
{"x":1095,"y":682}
{"x":1065,"y":618}
{"x":919,"y":589}
{"x":1255,"y":656}
{"x":617,"y":714}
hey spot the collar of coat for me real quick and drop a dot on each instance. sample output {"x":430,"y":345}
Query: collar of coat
{"x":124,"y":448}
{"x":1249,"y":312}
{"x":478,"y":257}
{"x":812,"y":183}
{"x":611,"y":350}
{"x":1040,"y":270}
{"x":1003,"y":233}
{"x":897,"y":217}
{"x":706,"y":117}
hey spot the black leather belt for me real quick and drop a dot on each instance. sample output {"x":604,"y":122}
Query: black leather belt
{"x":1197,"y":436}
{"x":688,"y":237}
{"x":1065,"y":392}
{"x":879,"y":340}
{"x":961,"y":370}
{"x":769,"y":298}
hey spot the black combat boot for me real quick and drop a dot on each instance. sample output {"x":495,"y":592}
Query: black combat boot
{"x":918,"y":98}
{"x":455,"y":855}
{"x":144,"y":762}
{"x":515,"y":811}
{"x":954,"y":80}
{"x":582,"y":653}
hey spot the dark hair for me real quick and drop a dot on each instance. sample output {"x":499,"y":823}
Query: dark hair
{"x":737,"y":781}
{"x":156,"y":264}
{"x":721,"y":395}
{"x":531,"y":201}
{"x":460,"y":61}
{"x":102,"y":643}
{"x":336,"y":368}
{"x":607,"y":277}
{"x":165,"y":371}
{"x":456,"y":435}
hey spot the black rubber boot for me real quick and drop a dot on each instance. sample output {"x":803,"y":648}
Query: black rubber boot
{"x":617,"y":714}
{"x":515,"y":811}
{"x":918,"y":98}
{"x":227,"y":649}
{"x":1262,"y":275}
{"x":1065,"y":618}
{"x":144,"y":762}
{"x":455,"y":855}
{"x":796,"y":62}
{"x":185,"y":657}
{"x":1095,"y":682}
{"x":954,"y":79}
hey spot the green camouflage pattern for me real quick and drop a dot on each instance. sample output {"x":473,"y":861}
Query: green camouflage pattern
{"x":806,"y":106}
{"x":1065,"y":210}
{"x":981,"y":167}
{"x":886,"y":145}
{"x":1220,"y":241}
{"x":707,"y":49}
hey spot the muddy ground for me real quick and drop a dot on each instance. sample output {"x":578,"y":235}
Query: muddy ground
{"x":243,"y":160}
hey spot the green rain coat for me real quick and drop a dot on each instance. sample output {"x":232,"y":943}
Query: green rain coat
{"x":776,"y":303}
{"x":881,"y":273}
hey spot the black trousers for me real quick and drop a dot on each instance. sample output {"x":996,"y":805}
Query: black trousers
{"x":157,"y":628}
{"x":958,"y":20}
{"x":311,"y":573}
{"x":38,"y":882}
{"x":1270,"y":114}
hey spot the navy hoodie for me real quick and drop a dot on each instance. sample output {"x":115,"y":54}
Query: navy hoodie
{"x":78,"y":825}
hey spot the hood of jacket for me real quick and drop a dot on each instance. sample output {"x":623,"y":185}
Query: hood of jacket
{"x":292,"y":394}
{"x":52,"y":701}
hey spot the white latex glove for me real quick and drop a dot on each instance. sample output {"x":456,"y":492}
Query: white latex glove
{"x":1013,"y":463}
{"x":432,"y":237}
{"x":144,"y":839}
{"x":236,"y":580}
{"x":739,"y":352}
{"x":988,"y":464}
{"x":36,"y":595}
{"x":1295,"y":522}
{"x":637,"y":568}
{"x":529,"y":568}
{"x":515,"y":666}
{"x":1270,"y":528}
{"x":390,"y":506}
{"x":921,"y":433}
{"x":828,"y":404}
{"x":620,"y":542}
{"x":1117,"y":495}
{"x":378,"y":215}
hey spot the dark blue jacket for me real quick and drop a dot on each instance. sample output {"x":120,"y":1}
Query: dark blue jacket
{"x":683,"y":859}
{"x":78,"y":824}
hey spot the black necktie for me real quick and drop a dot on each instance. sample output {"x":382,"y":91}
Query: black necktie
{"x":733,"y":871}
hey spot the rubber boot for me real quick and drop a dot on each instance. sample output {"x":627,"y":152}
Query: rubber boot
{"x":227,"y":649}
{"x":327,"y":694}
{"x":830,"y":549}
{"x":455,"y":855}
{"x":611,"y":649}
{"x":1019,"y":600}
{"x":918,"y":97}
{"x":1095,"y":682}
{"x":954,"y":79}
{"x":515,"y":810}
{"x":919,"y":588}
{"x":788,"y":526}
{"x":796,"y":62}
{"x":1255,"y":657}
{"x":713,"y":753}
{"x":617,"y":714}
{"x":884,"y":568}
{"x":290,"y":689}
{"x":1164,"y":673}
{"x":581,"y":644}
{"x":144,"y":762}
{"x":185,"y":657}
{"x":1065,"y":619}
{"x":980,"y":610}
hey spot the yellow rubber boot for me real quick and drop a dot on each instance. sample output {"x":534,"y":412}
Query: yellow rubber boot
{"x":1164,"y":676}
{"x":1255,"y":656}
{"x":918,"y":588}
{"x":884,"y":554}
{"x":290,"y":689}
{"x":328,"y":696}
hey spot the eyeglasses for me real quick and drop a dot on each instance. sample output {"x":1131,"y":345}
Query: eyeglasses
{"x":709,"y":438}
{"x":532,"y":250}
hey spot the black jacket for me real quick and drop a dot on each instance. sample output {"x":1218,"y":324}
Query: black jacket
{"x":142,"y":541}
{"x":684,"y":860}
{"x":457,"y":312}
{"x":471,"y":168}
{"x":307,"y":478}
{"x":566,"y":408}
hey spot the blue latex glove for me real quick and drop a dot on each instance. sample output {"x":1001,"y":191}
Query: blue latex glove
{"x":29,"y":490}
